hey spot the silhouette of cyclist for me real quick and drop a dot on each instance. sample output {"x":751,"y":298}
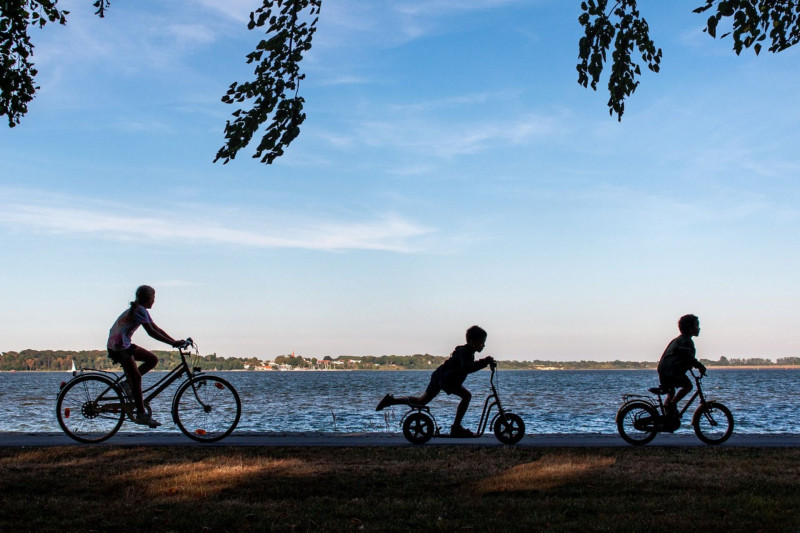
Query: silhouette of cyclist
{"x":677,"y":359}
{"x":122,"y":351}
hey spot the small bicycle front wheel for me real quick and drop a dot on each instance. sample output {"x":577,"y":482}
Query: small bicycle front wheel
{"x":636,"y":423}
{"x":509,"y":428}
{"x":713,"y":423}
{"x":206,"y":408}
{"x":418,"y":428}
{"x":90,"y":408}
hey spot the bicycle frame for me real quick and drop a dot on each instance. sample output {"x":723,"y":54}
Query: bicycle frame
{"x":162,"y":384}
{"x":173,"y":375}
{"x":698,"y":392}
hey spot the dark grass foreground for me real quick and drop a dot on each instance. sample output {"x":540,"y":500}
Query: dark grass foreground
{"x":399,"y":489}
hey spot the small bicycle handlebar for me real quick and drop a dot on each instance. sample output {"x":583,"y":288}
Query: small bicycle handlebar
{"x":701,"y":375}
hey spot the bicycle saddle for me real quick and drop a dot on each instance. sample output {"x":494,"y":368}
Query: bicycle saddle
{"x":659,"y":390}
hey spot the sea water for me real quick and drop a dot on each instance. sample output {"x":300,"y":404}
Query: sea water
{"x":563,"y":401}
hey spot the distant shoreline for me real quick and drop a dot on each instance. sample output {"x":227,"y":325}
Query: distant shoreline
{"x":548,"y":369}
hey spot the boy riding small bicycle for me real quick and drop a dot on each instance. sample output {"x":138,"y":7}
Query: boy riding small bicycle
{"x":677,"y":359}
{"x":450,"y":377}
{"x":122,"y":351}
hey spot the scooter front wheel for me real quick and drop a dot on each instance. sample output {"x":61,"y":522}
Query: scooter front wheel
{"x":418,"y":428}
{"x":509,"y":428}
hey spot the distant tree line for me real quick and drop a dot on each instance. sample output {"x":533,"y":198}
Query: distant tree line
{"x":753,"y":361}
{"x":61,"y":360}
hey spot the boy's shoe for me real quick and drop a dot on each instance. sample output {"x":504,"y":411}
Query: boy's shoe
{"x":459,"y":431}
{"x":145,"y":419}
{"x":386,"y":402}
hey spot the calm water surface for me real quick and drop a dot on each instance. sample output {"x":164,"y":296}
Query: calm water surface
{"x":762,"y":401}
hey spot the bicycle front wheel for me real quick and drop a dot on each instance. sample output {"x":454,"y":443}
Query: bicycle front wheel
{"x":206,"y":408}
{"x":713,"y":423}
{"x":90,"y":408}
{"x":636,"y":423}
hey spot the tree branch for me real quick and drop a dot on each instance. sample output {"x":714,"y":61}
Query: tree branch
{"x":274,"y":92}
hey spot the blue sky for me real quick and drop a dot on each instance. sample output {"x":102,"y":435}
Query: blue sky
{"x":450,"y":172}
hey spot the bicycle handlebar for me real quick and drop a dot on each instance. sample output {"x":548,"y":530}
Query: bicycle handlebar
{"x":186,"y":343}
{"x":696,"y":376}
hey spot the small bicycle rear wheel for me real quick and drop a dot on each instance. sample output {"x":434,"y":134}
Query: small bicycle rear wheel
{"x":713,"y":423}
{"x":509,"y":428}
{"x":206,"y":408}
{"x":636,"y":423}
{"x":90,"y":408}
{"x":418,"y":428}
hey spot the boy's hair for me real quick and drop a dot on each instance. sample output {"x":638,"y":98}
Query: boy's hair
{"x":686,"y":322}
{"x":476,"y":333}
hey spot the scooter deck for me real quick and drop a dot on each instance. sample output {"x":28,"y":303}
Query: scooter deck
{"x":449,"y":436}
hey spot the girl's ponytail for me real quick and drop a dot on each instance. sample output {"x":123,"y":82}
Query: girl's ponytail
{"x":141,"y":292}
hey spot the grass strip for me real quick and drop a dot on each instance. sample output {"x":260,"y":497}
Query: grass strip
{"x":431,"y":488}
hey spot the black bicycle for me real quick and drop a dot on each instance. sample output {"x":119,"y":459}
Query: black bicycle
{"x":92,"y":406}
{"x":419,"y":425}
{"x":642,"y":417}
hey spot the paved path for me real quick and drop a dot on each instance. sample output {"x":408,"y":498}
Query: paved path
{"x":175,"y":438}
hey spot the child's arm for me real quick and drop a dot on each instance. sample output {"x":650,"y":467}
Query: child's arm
{"x":159,"y":334}
{"x":480,"y":364}
{"x":700,"y":366}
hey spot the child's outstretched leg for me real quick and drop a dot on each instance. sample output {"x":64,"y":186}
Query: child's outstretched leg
{"x":389,"y":400}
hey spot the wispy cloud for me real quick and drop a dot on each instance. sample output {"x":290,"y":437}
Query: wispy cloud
{"x":395,"y":22}
{"x":238,"y":10}
{"x":450,"y":138}
{"x":35,"y":212}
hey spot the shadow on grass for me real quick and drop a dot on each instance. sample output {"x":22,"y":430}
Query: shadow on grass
{"x":399,"y":489}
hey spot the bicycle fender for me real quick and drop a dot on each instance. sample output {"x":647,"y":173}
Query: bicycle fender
{"x":638,"y":401}
{"x":696,"y":414}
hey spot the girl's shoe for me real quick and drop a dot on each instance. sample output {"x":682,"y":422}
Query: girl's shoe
{"x":145,"y":419}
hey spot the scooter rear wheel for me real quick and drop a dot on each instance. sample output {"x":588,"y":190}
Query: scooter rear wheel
{"x":509,"y":428}
{"x":418,"y":428}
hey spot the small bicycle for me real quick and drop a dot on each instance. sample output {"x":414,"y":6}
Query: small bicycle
{"x":641,"y":417}
{"x":419,"y":425}
{"x":92,"y":406}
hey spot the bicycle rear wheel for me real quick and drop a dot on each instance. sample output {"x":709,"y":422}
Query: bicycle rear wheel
{"x":206,"y":408}
{"x":636,"y":423}
{"x":90,"y":408}
{"x":713,"y":423}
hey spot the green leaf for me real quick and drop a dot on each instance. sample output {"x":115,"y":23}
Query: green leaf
{"x":711,"y":26}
